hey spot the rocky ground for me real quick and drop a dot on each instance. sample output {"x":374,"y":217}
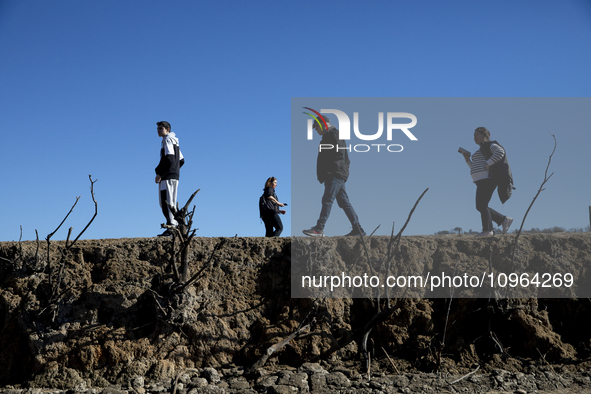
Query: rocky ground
{"x":108,"y":316}
{"x":315,"y":378}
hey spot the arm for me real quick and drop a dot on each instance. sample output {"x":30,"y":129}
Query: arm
{"x":328,"y":158}
{"x":163,"y":166}
{"x":270,"y":195}
{"x":275,"y":201}
{"x":467,"y":158}
{"x":497,"y":154}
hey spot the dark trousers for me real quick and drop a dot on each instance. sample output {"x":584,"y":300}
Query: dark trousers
{"x":484,"y":191}
{"x":272,"y":221}
{"x":335,"y":188}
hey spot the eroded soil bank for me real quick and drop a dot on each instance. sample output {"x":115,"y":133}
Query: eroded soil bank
{"x":112,"y":312}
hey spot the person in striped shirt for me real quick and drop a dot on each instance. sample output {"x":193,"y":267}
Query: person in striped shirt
{"x":490,"y":152}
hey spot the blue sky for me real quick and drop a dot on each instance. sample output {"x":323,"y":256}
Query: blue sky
{"x":84,"y":82}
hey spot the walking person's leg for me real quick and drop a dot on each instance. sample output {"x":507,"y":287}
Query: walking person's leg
{"x":501,"y":220}
{"x":345,"y":205}
{"x":268,"y":220}
{"x":496,"y":217}
{"x":484,"y":192}
{"x":278,"y":225}
{"x":331,"y":188}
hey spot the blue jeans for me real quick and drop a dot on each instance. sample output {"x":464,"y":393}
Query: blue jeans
{"x":335,"y":188}
{"x":272,"y":221}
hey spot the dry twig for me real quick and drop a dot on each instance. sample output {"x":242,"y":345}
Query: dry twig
{"x":48,"y":238}
{"x":391,"y":362}
{"x":64,"y":252}
{"x":185,"y":234}
{"x":279,"y":345}
{"x":451,"y":298}
{"x":176,"y":381}
{"x":465,"y":376}
{"x":95,"y":211}
{"x":541,"y":189}
{"x":205,"y":266}
{"x":381,"y":316}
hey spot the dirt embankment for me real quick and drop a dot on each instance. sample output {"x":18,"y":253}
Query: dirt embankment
{"x":118,"y":314}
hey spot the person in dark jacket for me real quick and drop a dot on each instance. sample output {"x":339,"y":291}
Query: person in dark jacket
{"x":489,"y":169}
{"x":168,"y":172}
{"x":332,"y":169}
{"x":270,"y":209}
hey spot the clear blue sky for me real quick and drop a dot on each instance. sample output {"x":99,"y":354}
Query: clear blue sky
{"x":83,"y":84}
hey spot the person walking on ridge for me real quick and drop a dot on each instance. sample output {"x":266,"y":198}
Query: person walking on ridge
{"x":489,"y":169}
{"x":332,"y":169}
{"x":269,"y":209}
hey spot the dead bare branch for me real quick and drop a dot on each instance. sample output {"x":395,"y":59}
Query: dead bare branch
{"x":465,"y":376}
{"x":48,"y":238}
{"x":498,"y":343}
{"x":205,"y":266}
{"x":451,"y":297}
{"x":279,"y":345}
{"x":95,"y":209}
{"x":66,"y":217}
{"x":374,"y":321}
{"x":381,"y":316}
{"x":65,"y":251}
{"x":175,"y":270}
{"x":155,"y":297}
{"x":186,"y":207}
{"x":176,"y":381}
{"x":391,"y":362}
{"x":543,"y":356}
{"x":546,"y":179}
{"x":184,"y":233}
{"x":37,"y":250}
{"x":59,"y":280}
{"x":394,"y":242}
{"x":69,"y":235}
{"x":367,"y":252}
{"x":20,"y":243}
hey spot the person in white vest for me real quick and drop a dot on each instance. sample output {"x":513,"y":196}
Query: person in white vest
{"x":167,"y":173}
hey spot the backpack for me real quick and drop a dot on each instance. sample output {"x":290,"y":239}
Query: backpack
{"x":266,"y":206}
{"x":500,"y":172}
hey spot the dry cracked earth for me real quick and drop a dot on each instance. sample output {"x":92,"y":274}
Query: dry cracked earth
{"x":109,"y":316}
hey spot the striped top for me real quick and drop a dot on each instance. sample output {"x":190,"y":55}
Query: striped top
{"x":478,"y":162}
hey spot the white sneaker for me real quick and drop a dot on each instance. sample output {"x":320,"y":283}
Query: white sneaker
{"x":486,"y":234}
{"x":506,"y":224}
